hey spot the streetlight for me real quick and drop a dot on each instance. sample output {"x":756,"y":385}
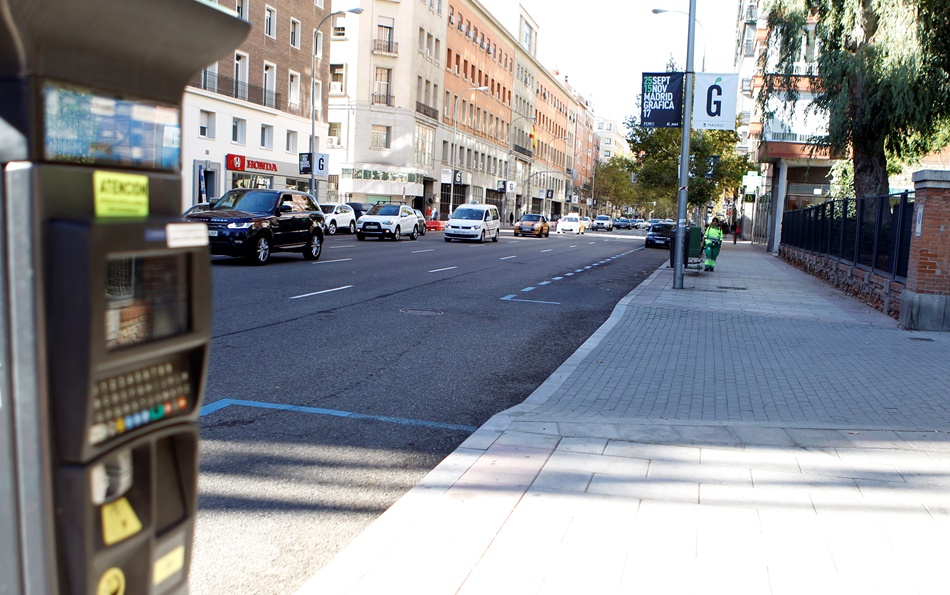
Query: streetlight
{"x":455,"y":135}
{"x":511,"y":150}
{"x":679,"y":260}
{"x":593,"y":176}
{"x":662,"y":10}
{"x":313,"y":85}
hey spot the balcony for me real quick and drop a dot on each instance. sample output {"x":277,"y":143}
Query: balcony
{"x":805,"y":68}
{"x":428,"y":111}
{"x":384,"y":99}
{"x":229,"y":87}
{"x":385,"y":47}
{"x":523,"y":150}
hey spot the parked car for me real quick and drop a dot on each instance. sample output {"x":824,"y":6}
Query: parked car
{"x":586,"y":222}
{"x":254,"y":222}
{"x":570,"y":224}
{"x":659,"y":235}
{"x":622,"y":223}
{"x":339,"y":216}
{"x":198,"y":207}
{"x":473,"y":222}
{"x":388,"y":220}
{"x":360,"y":208}
{"x":603,"y":222}
{"x":638,"y":224}
{"x":532,"y":225}
{"x":422,"y":221}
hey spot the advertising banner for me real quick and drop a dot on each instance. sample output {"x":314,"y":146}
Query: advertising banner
{"x":714,"y":103}
{"x":661,"y":104}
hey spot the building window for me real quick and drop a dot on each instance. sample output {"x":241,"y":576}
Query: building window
{"x":317,"y":99}
{"x":425,"y":138}
{"x":608,"y":141}
{"x":339,"y":26}
{"x":380,"y":137}
{"x":240,"y":9}
{"x":267,"y":136}
{"x":206,"y":124}
{"x":270,"y":20}
{"x":295,"y":33}
{"x":336,"y":79}
{"x":318,"y":3}
{"x":240,"y":76}
{"x":383,"y":82}
{"x":238,"y":130}
{"x":318,"y":44}
{"x":291,"y":141}
{"x":270,"y":85}
{"x":293,"y":90}
{"x":606,"y":153}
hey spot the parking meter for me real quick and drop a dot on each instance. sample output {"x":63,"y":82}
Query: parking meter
{"x":104,"y":293}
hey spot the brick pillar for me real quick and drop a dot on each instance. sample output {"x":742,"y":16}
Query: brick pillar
{"x":925,"y":302}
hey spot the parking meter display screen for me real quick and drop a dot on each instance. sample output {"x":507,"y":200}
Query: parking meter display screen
{"x":147,"y":299}
{"x":82,"y":126}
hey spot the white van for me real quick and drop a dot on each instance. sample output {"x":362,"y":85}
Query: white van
{"x":473,"y":222}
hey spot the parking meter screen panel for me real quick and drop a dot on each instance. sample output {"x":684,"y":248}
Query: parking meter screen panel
{"x":147,"y":298}
{"x":92,"y":128}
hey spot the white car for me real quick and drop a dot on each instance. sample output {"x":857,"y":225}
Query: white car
{"x":570,"y":224}
{"x":603,"y":222}
{"x":339,"y":217}
{"x":473,"y":222}
{"x":388,"y":220}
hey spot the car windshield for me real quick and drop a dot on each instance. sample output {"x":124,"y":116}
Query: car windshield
{"x":571,"y":219}
{"x":328,"y":209}
{"x":248,"y":200}
{"x":384,"y":210}
{"x":603,"y":218}
{"x":464,"y":213}
{"x":531,"y":218}
{"x":661,"y":227}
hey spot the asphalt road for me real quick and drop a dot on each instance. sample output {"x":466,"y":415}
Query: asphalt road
{"x":334,"y":386}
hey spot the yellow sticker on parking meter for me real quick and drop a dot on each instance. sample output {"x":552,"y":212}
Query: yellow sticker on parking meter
{"x":112,"y":582}
{"x":119,"y":521}
{"x":168,"y":565}
{"x":120,"y":195}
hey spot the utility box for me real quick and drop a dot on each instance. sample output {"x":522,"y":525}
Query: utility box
{"x":105,"y":293}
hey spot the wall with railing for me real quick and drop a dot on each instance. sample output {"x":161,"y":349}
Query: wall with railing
{"x":861,"y":245}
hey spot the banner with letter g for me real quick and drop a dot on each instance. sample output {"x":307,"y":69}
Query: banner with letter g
{"x":714,"y":101}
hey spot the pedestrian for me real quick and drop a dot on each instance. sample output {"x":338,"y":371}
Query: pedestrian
{"x":712,"y":241}
{"x":511,"y":218}
{"x":735,"y":233}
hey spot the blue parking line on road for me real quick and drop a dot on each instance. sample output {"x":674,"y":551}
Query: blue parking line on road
{"x":528,"y":289}
{"x":218,"y":405}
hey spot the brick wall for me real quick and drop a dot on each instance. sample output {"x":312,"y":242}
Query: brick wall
{"x":876,"y":291}
{"x":928,"y":270}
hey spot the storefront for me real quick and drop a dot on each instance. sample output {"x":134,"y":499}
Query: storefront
{"x":247,"y":172}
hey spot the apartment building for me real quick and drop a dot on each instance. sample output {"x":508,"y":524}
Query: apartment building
{"x":793,"y":173}
{"x":246,"y":117}
{"x":613,"y":143}
{"x":436,"y":103}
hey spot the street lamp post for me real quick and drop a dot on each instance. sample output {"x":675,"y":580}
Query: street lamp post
{"x":456,"y":148}
{"x":313,"y":87}
{"x":511,"y":153}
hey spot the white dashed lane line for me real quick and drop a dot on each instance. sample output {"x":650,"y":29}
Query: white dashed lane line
{"x":297,"y":297}
{"x":332,"y":261}
{"x":440,"y":270}
{"x":507,"y":257}
{"x":421,"y":251}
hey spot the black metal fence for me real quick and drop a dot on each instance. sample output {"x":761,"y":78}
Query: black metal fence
{"x":871,"y":233}
{"x":225,"y":85}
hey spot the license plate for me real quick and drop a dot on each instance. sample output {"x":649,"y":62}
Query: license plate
{"x":371,"y":226}
{"x":212,"y":232}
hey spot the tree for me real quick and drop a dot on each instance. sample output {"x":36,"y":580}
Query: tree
{"x":883,"y":77}
{"x":612,"y":181}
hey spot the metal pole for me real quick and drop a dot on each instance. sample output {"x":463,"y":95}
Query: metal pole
{"x":454,"y":147}
{"x":679,"y":261}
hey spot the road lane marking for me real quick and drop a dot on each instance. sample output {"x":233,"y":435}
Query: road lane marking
{"x":329,"y":261}
{"x":404,"y":421}
{"x":528,"y":289}
{"x":440,"y":270}
{"x":511,"y":298}
{"x":507,"y":257}
{"x":544,"y":283}
{"x":421,"y":251}
{"x":548,"y":250}
{"x":343,"y":246}
{"x":574,"y":246}
{"x":558,"y":278}
{"x":320,"y":292}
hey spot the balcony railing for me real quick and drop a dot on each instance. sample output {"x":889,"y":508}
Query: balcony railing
{"x":384,"y":99}
{"x":426,"y":110}
{"x":524,"y":151}
{"x":229,"y":87}
{"x":385,"y":46}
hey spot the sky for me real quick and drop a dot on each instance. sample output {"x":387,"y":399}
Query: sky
{"x":605,"y":49}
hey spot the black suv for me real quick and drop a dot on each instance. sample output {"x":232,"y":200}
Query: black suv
{"x":253,"y":222}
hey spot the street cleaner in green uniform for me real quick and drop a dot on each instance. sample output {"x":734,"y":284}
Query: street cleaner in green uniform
{"x":712,"y":241}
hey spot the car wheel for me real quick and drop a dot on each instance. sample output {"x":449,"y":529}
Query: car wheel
{"x":352,"y":226}
{"x":331,"y":229}
{"x":261,"y":253}
{"x":481,"y":238}
{"x":495,"y":239}
{"x":447,"y":239}
{"x":415,"y":233}
{"x":396,"y":234}
{"x":360,"y":237}
{"x":547,"y":234}
{"x":422,"y":229}
{"x":314,"y":247}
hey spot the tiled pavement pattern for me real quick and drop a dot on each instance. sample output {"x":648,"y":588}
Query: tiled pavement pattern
{"x":779,"y":438}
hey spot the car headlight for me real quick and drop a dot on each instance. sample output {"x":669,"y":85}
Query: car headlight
{"x":243,"y":225}
{"x":388,"y":221}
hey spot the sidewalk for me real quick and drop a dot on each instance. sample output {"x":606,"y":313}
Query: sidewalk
{"x":754,"y":432}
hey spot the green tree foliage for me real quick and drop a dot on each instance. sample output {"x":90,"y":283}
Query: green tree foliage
{"x":612,"y":181}
{"x":656,"y":157}
{"x":883,"y":77}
